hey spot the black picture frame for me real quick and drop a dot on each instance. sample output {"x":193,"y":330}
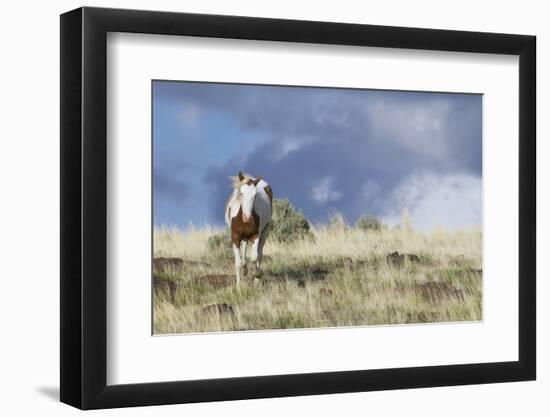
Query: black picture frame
{"x":84,"y":207}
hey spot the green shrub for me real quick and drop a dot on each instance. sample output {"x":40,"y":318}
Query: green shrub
{"x":368,"y":223}
{"x":289,"y":224}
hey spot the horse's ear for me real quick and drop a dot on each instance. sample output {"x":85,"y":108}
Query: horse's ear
{"x":241,"y":176}
{"x":257,"y":180}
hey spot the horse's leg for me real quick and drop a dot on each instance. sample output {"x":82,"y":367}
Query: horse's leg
{"x":238,"y":262}
{"x":244,"y":267}
{"x":261,"y":244}
{"x":254,"y":257}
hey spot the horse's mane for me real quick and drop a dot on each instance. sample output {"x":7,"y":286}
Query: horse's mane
{"x":236,"y":182}
{"x":235,"y":195}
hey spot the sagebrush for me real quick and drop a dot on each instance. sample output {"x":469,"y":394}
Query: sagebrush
{"x":289,"y":224}
{"x":367,"y":223}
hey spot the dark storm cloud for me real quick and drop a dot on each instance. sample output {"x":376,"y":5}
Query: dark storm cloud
{"x":332,"y":149}
{"x":226,"y":97}
{"x":360,"y":145}
{"x":169,"y":187}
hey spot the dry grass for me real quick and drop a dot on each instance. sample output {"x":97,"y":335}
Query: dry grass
{"x":342,"y":278}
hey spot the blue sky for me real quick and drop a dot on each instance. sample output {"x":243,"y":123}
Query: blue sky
{"x":358,"y":152}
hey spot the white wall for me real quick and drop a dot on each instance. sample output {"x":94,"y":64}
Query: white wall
{"x":29,"y":101}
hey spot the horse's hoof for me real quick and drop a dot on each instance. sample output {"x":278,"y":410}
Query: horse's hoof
{"x":259,"y":273}
{"x":245,"y":270}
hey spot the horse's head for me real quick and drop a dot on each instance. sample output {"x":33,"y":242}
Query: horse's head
{"x":247,"y":193}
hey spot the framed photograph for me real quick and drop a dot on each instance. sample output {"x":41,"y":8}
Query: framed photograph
{"x":257,"y":208}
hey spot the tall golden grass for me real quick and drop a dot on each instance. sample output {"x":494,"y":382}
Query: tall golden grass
{"x":343,"y":277}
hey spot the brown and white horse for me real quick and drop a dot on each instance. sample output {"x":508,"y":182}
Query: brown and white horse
{"x":248,"y":213}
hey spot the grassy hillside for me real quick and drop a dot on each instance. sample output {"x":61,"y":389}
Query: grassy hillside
{"x":342,"y":277}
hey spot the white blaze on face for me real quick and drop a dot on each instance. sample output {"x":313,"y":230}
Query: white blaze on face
{"x":248,"y":192}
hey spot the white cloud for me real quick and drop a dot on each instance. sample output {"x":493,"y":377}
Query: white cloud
{"x":292,"y":144}
{"x":190,"y":115}
{"x":421,"y":129}
{"x":451,"y":202}
{"x":323,"y":191}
